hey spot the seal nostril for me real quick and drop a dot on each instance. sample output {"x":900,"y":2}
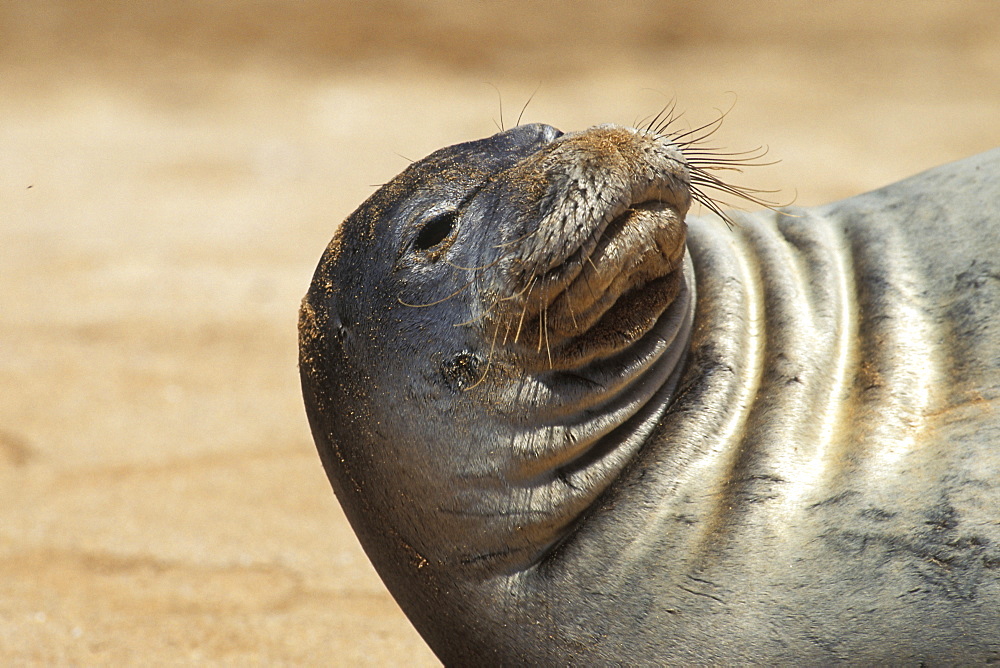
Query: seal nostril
{"x":435,"y":231}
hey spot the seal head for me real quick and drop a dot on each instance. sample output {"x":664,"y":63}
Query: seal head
{"x":485,"y":335}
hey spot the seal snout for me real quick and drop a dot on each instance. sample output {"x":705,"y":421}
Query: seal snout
{"x":601,"y":256}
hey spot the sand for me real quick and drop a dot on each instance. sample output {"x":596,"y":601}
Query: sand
{"x":170,"y":174}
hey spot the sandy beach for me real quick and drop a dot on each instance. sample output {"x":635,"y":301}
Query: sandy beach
{"x":170,"y":174}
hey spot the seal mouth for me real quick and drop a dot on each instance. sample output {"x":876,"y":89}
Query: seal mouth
{"x":623,"y":285}
{"x":611,"y":289}
{"x":641,"y":245}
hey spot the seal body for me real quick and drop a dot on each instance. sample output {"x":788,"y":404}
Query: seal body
{"x":571,"y":426}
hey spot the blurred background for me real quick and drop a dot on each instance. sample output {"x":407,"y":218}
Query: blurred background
{"x":170,"y":173}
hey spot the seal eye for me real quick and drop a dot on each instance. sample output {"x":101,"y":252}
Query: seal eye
{"x":435,"y":231}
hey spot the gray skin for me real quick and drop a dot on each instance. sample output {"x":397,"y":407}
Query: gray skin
{"x":562,"y":439}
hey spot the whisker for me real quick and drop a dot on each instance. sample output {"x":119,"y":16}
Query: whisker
{"x":540,"y":324}
{"x":744,"y":192}
{"x":489,"y":361}
{"x":530,"y":98}
{"x":443,"y":299}
{"x":506,"y":332}
{"x":572,"y":314}
{"x":655,"y":121}
{"x":485,"y":266}
{"x":500,"y":103}
{"x":672,"y":117}
{"x":545,"y":329}
{"x":526,"y":236}
{"x":481,"y":316}
{"x":524,"y":308}
{"x":586,"y":280}
{"x":711,"y":205}
{"x":702,"y":159}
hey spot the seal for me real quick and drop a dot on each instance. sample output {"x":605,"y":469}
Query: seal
{"x":572,"y":425}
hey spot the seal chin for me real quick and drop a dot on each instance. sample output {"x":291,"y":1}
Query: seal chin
{"x":630,"y":317}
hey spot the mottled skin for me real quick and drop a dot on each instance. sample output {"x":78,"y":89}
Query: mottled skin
{"x":554,"y":453}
